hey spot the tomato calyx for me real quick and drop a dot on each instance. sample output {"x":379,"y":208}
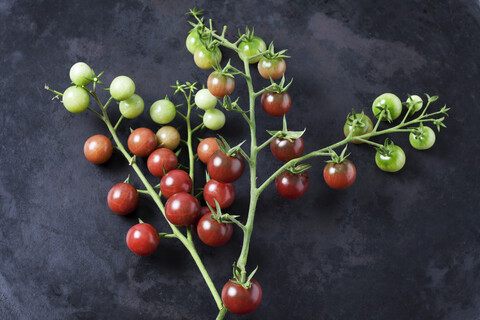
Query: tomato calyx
{"x":301,"y":168}
{"x":419,"y":131}
{"x":285,"y":133}
{"x":230,"y":151}
{"x":217,"y":215}
{"x":239,"y":277}
{"x":356,"y":120}
{"x":272,"y":55}
{"x":278,"y":87}
{"x":335,"y":158}
{"x":387,"y":148}
{"x":248,"y":35}
{"x":384,"y":112}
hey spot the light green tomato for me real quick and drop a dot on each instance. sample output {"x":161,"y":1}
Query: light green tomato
{"x":251,"y":48}
{"x":214,"y":119}
{"x":132,"y":107}
{"x":394,"y":105}
{"x":163,"y":111}
{"x":76,"y":99}
{"x":193,"y":41}
{"x":205,"y":100}
{"x":80,"y":72}
{"x":122,"y":88}
{"x":417,"y":101}
{"x":423,"y":141}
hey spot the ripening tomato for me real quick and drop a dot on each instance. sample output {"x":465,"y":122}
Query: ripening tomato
{"x":122,"y":198}
{"x":207,"y":59}
{"x":98,"y":149}
{"x":220,"y":85}
{"x":213,"y":233}
{"x":224,"y":193}
{"x":285,"y":150}
{"x":340,"y":175}
{"x":175,"y":181}
{"x":182,"y":209}
{"x":206,"y":148}
{"x":143,"y":239}
{"x":160,"y":161}
{"x":224,"y":168}
{"x":142,"y":142}
{"x":272,"y":68}
{"x":168,"y":137}
{"x":276,"y":104}
{"x":363,"y":126}
{"x":290,"y":185}
{"x":239,"y":300}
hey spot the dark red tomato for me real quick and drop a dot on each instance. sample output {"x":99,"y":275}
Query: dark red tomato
{"x":182,"y":209}
{"x":122,"y":198}
{"x":143,"y":239}
{"x":340,"y":175}
{"x":276,"y":104}
{"x":175,"y":181}
{"x":272,"y":68}
{"x":220,"y":85}
{"x":224,"y":193}
{"x":292,"y":186}
{"x":206,"y":148}
{"x":212,"y":232}
{"x":239,"y":300}
{"x":160,"y":159}
{"x":225,"y":169}
{"x":203,"y":211}
{"x":142,"y":142}
{"x":98,"y":149}
{"x":285,"y":150}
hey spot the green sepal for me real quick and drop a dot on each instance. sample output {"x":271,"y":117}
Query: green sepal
{"x":335,"y":158}
{"x":387,"y":148}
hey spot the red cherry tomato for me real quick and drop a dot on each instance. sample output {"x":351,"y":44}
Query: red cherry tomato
{"x":224,"y":193}
{"x":276,"y":104}
{"x":225,"y":169}
{"x":212,"y":232}
{"x":160,"y":159}
{"x":220,"y":85}
{"x":142,"y":142}
{"x":203,"y":211}
{"x":98,"y":149}
{"x":122,"y":198}
{"x":206,"y":148}
{"x":285,"y":150}
{"x":239,"y":300}
{"x":182,"y":209}
{"x":272,"y":68}
{"x":175,"y":181}
{"x":340,"y":175}
{"x":143,"y":239}
{"x":292,"y":186}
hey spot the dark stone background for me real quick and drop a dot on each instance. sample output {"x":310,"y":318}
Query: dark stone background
{"x":393,"y":246}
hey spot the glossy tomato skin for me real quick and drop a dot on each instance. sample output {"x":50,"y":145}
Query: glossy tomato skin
{"x":168,"y":137}
{"x":175,"y":181}
{"x":423,"y":141}
{"x":393,"y":162}
{"x":143,"y":239}
{"x":206,"y":148}
{"x":224,"y":193}
{"x":98,"y":149}
{"x":160,"y":159}
{"x":207,"y":59}
{"x":340,"y":175}
{"x":182,"y":209}
{"x":285,"y":150}
{"x":252,"y":47}
{"x":239,"y":300}
{"x":272,"y":68}
{"x":393,"y":103}
{"x":122,"y":198}
{"x":276,"y":104}
{"x":212,"y":232}
{"x":292,"y":186}
{"x":224,"y":168}
{"x":142,"y":142}
{"x":220,"y":85}
{"x":203,"y":211}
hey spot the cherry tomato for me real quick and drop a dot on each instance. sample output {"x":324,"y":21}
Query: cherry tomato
{"x":143,"y":239}
{"x":81,"y":74}
{"x":205,"y":100}
{"x":142,"y":142}
{"x":75,"y":99}
{"x":122,"y":198}
{"x":182,"y":209}
{"x":394,"y":105}
{"x":220,"y":85}
{"x":213,"y":233}
{"x":276,"y":104}
{"x":132,"y":107}
{"x":225,"y":168}
{"x":424,"y":140}
{"x":163,"y":111}
{"x":122,"y":88}
{"x":292,"y":186}
{"x":366,"y":126}
{"x":252,"y":47}
{"x":340,"y":175}
{"x":175,"y":181}
{"x":160,"y":161}
{"x":285,"y":150}
{"x":224,"y":193}
{"x":214,"y":119}
{"x":239,"y":300}
{"x":203,"y":211}
{"x":206,"y":148}
{"x":207,"y":59}
{"x":272,"y":68}
{"x":98,"y":149}
{"x":417,"y":101}
{"x":393,"y":161}
{"x":168,"y":137}
{"x":193,"y":41}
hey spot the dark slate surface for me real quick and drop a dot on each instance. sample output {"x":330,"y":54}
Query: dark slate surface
{"x":394,"y":246}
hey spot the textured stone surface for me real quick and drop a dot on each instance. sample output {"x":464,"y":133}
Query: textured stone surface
{"x":393,"y":246}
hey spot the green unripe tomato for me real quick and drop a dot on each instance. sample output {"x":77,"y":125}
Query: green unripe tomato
{"x":80,"y":72}
{"x":76,"y":99}
{"x":132,"y":107}
{"x":205,"y":100}
{"x":423,"y":141}
{"x":193,"y":41}
{"x":394,"y":106}
{"x":252,"y":47}
{"x":417,"y":101}
{"x":163,"y":111}
{"x":214,"y":119}
{"x":207,"y":59}
{"x":122,"y":88}
{"x":392,"y":162}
